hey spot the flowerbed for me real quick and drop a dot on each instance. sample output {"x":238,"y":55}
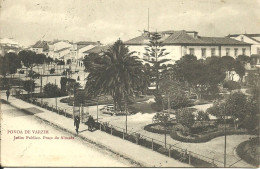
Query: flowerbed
{"x":249,"y":151}
{"x":206,"y":137}
{"x":158,"y":128}
{"x":138,"y":139}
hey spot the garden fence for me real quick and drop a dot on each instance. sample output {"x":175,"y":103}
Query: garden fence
{"x":170,"y":150}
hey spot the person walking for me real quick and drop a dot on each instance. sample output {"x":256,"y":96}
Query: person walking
{"x":7,"y":94}
{"x":76,"y":123}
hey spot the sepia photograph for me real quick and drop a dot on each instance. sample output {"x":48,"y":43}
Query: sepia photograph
{"x":130,"y":83}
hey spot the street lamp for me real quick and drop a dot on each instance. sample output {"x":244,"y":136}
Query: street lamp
{"x":225,"y":146}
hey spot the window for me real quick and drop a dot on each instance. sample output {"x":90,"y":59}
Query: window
{"x":244,"y":51}
{"x":227,"y":51}
{"x":213,"y":52}
{"x":258,"y":51}
{"x":185,"y":50}
{"x":242,"y":38}
{"x":139,"y":53}
{"x":235,"y":51}
{"x":191,"y":51}
{"x":203,"y":52}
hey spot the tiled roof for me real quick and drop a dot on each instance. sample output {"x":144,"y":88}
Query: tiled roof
{"x":222,"y":41}
{"x":254,"y":37}
{"x":57,"y":51}
{"x":246,"y":34}
{"x":182,"y":37}
{"x":97,"y":49}
{"x":56,"y":41}
{"x":87,"y":43}
{"x":39,"y":44}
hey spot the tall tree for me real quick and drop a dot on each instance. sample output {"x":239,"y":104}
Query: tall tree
{"x":3,"y":66}
{"x":28,"y":58}
{"x":118,"y":73}
{"x":155,"y":52}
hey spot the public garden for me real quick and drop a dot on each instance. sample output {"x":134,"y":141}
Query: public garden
{"x":191,"y":105}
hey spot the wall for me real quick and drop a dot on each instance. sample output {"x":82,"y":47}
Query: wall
{"x":37,"y":50}
{"x":80,"y":51}
{"x":232,"y":50}
{"x":61,"y":45}
{"x":254,"y":46}
{"x":198,"y":53}
{"x":174,"y":51}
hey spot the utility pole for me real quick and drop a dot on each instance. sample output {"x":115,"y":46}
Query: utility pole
{"x":148,"y":20}
{"x":41,"y":90}
{"x":55,"y":96}
{"x":97,"y":108}
{"x":225,"y":146}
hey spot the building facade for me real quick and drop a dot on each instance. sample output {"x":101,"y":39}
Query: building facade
{"x":253,"y":39}
{"x":180,"y":43}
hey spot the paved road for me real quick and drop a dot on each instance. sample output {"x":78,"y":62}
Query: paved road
{"x":47,"y":152}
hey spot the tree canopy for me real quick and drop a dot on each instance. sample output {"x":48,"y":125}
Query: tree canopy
{"x":117,"y":73}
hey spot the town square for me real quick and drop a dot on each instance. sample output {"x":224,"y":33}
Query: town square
{"x":171,"y":83}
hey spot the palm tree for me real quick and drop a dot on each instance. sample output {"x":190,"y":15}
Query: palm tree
{"x":117,"y":73}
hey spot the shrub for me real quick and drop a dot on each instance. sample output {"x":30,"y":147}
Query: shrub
{"x":207,"y":137}
{"x":21,"y":72}
{"x":243,"y":153}
{"x":231,"y":85}
{"x":51,"y":90}
{"x":29,"y":85}
{"x":202,"y":116}
{"x":177,"y":101}
{"x":52,"y":70}
{"x":150,"y":128}
{"x":185,"y":117}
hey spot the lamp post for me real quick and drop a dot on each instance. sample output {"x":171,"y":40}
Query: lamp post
{"x":97,"y":108}
{"x":225,"y":145}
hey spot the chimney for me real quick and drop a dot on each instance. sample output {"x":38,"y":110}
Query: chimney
{"x":98,"y":42}
{"x":196,"y":35}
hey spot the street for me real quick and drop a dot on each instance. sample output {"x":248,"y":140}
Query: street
{"x":41,"y":148}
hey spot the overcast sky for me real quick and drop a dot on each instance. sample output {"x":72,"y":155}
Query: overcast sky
{"x":106,"y":20}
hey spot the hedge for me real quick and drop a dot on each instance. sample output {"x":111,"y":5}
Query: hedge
{"x":141,"y":141}
{"x":205,"y":138}
{"x":244,"y":155}
{"x":156,"y":147}
{"x":154,"y":130}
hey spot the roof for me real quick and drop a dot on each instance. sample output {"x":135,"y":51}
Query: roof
{"x":87,"y":43}
{"x":184,"y":37}
{"x":8,"y":41}
{"x":62,"y":49}
{"x":254,"y":37}
{"x":39,"y":44}
{"x":97,"y":49}
{"x":246,"y":34}
{"x":56,"y":41}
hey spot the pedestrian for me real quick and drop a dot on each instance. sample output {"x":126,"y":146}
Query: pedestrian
{"x":90,"y":123}
{"x":7,"y":94}
{"x":76,"y":123}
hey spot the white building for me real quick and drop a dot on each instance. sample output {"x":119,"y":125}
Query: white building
{"x":9,"y":45}
{"x":59,"y":49}
{"x":253,"y":39}
{"x":40,"y":47}
{"x":78,"y":50}
{"x":180,"y":43}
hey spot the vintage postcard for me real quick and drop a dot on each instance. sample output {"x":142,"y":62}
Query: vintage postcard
{"x":130,"y":83}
